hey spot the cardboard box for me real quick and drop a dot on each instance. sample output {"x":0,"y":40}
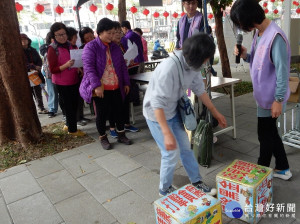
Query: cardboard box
{"x":295,"y":89}
{"x":188,"y":205}
{"x":244,"y":190}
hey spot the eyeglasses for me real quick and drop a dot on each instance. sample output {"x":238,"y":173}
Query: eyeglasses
{"x":60,"y":35}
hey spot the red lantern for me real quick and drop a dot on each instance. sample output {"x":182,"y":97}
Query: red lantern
{"x":93,"y":8}
{"x":19,"y":7}
{"x":295,"y":3}
{"x":272,"y":1}
{"x":182,"y":14}
{"x":298,"y":10}
{"x":265,"y":4}
{"x":156,"y":15}
{"x":109,"y":7}
{"x":146,"y":12}
{"x":210,"y":16}
{"x":39,"y":8}
{"x":266,"y":11}
{"x":175,"y":15}
{"x":74,"y":8}
{"x":166,"y":14}
{"x":133,"y":9}
{"x":275,"y":11}
{"x":282,"y":0}
{"x":59,"y":10}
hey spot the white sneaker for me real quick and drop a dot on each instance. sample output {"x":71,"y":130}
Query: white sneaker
{"x":283,"y":174}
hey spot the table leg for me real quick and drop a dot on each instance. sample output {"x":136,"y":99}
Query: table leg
{"x":233,"y":111}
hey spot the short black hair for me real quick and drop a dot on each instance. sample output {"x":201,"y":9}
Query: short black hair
{"x":139,"y":30}
{"x":126,"y":24}
{"x":83,"y":32}
{"x":57,"y":26}
{"x":117,"y":25}
{"x":104,"y":24}
{"x":197,"y":49}
{"x":48,"y":38}
{"x":199,"y":2}
{"x":71,"y":32}
{"x":245,"y":13}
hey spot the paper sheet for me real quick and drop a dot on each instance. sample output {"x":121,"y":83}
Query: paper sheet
{"x":131,"y":53}
{"x":76,"y":55}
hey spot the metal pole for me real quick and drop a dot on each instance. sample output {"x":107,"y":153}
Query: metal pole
{"x":78,"y":18}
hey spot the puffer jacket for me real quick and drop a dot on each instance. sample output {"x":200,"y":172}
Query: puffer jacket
{"x":94,"y":63}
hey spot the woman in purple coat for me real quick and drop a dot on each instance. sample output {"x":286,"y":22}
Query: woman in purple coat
{"x":105,"y":80}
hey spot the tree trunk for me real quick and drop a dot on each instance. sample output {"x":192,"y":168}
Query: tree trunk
{"x":18,"y":116}
{"x":222,"y":45}
{"x":122,"y":10}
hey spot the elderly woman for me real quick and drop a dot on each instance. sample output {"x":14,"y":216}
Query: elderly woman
{"x":163,"y":118}
{"x":105,"y":80}
{"x":269,"y":68}
{"x":64,"y":76}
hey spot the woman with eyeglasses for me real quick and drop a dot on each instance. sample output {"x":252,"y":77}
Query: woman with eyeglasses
{"x":64,"y":76}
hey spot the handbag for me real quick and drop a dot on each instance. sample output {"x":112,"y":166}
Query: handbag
{"x":185,"y":106}
{"x":34,"y":78}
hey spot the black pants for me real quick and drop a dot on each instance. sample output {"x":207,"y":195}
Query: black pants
{"x":125,"y":113}
{"x":69,"y":95}
{"x":270,"y":144}
{"x":110,"y":103}
{"x":37,"y":94}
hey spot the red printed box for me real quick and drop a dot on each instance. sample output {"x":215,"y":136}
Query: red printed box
{"x":188,"y":205}
{"x":244,"y":190}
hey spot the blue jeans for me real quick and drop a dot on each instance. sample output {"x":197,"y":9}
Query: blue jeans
{"x":52,"y":96}
{"x":169,"y":159}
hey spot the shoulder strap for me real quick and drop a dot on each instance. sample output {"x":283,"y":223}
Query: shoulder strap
{"x":54,"y":45}
{"x":179,"y":68}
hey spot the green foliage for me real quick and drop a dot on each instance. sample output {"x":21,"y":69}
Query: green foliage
{"x":217,"y":5}
{"x":240,"y":88}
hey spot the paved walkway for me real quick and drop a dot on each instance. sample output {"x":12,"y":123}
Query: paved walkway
{"x":90,"y":185}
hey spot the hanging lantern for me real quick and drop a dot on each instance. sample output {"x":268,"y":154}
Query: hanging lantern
{"x":156,"y":15}
{"x":166,"y":14}
{"x":39,"y":8}
{"x":19,"y":7}
{"x":59,"y":10}
{"x":266,"y":11}
{"x":282,"y":0}
{"x":93,"y":8}
{"x":133,"y":9}
{"x":275,"y":11}
{"x":146,"y":12}
{"x":295,"y":3}
{"x":182,"y":14}
{"x":272,"y":1}
{"x":298,"y":10}
{"x":265,"y":4}
{"x":175,"y":15}
{"x":210,"y":16}
{"x":74,"y":8}
{"x":109,"y":7}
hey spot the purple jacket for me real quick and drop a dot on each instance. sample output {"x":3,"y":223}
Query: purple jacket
{"x":262,"y":69}
{"x":94,"y":62}
{"x":134,"y":38}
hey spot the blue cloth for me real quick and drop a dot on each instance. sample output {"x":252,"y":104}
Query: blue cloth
{"x":52,"y":96}
{"x":170,"y":158}
{"x":156,"y":45}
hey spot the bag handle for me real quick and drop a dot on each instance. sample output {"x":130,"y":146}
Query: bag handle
{"x":180,"y":70}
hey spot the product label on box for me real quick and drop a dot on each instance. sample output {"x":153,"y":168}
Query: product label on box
{"x":187,"y":204}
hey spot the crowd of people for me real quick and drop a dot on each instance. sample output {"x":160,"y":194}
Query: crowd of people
{"x":104,"y":81}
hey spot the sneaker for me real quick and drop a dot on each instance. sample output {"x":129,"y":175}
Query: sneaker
{"x":43,"y":111}
{"x":168,"y":191}
{"x":131,"y":128}
{"x":51,"y":114}
{"x":206,"y":189}
{"x":65,"y":128}
{"x":86,"y":119}
{"x":78,"y":133}
{"x":81,"y":123}
{"x":64,"y":118}
{"x":283,"y":174}
{"x":113,"y":133}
